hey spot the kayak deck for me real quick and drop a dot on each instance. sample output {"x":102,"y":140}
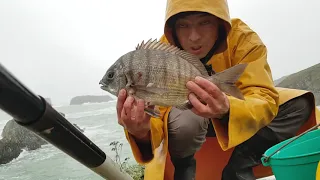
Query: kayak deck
{"x":211,"y":160}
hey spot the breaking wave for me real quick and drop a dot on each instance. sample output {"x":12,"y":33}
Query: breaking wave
{"x":109,"y":110}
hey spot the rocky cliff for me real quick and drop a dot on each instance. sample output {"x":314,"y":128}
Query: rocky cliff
{"x":78,"y":100}
{"x":14,"y":139}
{"x":307,"y":79}
{"x":278,"y":81}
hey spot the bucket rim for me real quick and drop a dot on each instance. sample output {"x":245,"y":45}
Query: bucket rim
{"x":269,"y":154}
{"x":274,"y":156}
{"x":292,"y":161}
{"x":295,"y":156}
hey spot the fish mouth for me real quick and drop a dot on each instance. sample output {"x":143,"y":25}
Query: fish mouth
{"x":105,"y":87}
{"x":102,"y":83}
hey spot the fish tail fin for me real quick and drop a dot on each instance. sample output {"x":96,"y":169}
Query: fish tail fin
{"x":226,"y":80}
{"x":232,"y":90}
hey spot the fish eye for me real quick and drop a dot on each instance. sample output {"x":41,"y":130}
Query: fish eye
{"x":110,"y":75}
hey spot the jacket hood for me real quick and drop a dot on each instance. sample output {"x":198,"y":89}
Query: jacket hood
{"x":218,"y":8}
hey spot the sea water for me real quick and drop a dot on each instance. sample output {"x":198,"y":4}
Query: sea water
{"x":50,"y":163}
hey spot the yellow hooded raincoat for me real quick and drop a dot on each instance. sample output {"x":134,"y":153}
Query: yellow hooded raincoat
{"x":262,"y":99}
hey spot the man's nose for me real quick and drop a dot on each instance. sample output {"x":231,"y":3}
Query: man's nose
{"x":194,"y":35}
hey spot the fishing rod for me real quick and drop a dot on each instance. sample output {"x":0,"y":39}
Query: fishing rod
{"x":37,"y":115}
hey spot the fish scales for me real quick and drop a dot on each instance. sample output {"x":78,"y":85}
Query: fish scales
{"x":158,"y":68}
{"x":165,"y":71}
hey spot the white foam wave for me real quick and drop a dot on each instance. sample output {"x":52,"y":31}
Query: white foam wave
{"x":109,"y":110}
{"x":58,"y":106}
{"x":46,"y":150}
{"x":23,"y":154}
{"x":97,"y":130}
{"x":94,"y":127}
{"x":90,"y":103}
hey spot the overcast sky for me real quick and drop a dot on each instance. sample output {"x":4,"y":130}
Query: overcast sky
{"x":61,"y":49}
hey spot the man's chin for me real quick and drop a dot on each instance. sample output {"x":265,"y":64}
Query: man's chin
{"x":200,"y":56}
{"x":198,"y":53}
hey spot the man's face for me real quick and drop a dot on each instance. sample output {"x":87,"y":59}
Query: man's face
{"x":197,"y":33}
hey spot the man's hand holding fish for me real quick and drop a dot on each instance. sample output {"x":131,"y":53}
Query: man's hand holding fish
{"x":216,"y":104}
{"x":132,"y":117}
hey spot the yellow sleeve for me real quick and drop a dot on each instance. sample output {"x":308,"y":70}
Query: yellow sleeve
{"x":261,"y":102}
{"x":156,"y":125}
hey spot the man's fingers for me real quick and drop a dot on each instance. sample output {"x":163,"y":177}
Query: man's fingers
{"x":126,"y":111}
{"x":217,"y":96}
{"x":143,"y":117}
{"x":209,"y":87}
{"x":120,"y":122}
{"x":140,"y":110}
{"x":121,"y":99}
{"x":128,"y":104}
{"x":124,"y":118}
{"x":201,"y":93}
{"x":200,"y":107}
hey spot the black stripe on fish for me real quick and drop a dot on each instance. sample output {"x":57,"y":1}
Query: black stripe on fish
{"x":129,"y":72}
{"x":148,"y":56}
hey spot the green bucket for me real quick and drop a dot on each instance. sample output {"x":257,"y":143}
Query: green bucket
{"x":296,"y":158}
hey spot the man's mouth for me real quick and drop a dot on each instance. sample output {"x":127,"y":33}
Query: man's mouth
{"x":196,"y":49}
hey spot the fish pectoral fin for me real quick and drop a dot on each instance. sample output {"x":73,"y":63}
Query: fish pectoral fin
{"x":150,"y":85}
{"x":154,"y":112}
{"x":156,"y":90}
{"x":150,"y":108}
{"x":151,"y":88}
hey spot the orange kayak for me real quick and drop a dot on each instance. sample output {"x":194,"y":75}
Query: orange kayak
{"x":211,"y":159}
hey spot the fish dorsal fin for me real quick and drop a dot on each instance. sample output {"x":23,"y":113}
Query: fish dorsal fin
{"x":158,"y":45}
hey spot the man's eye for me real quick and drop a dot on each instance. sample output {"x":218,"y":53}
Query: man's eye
{"x":182,"y":25}
{"x":205,"y":22}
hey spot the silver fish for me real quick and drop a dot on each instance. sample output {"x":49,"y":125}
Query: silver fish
{"x":157,"y":73}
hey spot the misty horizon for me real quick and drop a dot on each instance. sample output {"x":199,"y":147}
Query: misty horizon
{"x":61,"y":49}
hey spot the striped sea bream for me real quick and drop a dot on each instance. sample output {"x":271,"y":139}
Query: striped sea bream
{"x":158,"y":73}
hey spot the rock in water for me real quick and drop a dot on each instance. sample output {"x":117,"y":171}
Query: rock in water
{"x":19,"y":134}
{"x":78,"y":100}
{"x":14,"y":139}
{"x":8,"y":151}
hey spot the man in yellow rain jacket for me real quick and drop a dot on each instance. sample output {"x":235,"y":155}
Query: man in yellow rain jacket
{"x":267,"y":116}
